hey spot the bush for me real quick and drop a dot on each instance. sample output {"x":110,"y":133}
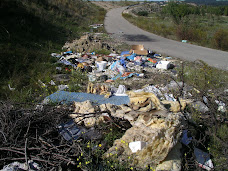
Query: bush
{"x":142,"y":13}
{"x":102,"y":51}
{"x":220,"y":39}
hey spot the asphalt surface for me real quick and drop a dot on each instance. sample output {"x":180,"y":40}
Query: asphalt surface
{"x":121,"y":29}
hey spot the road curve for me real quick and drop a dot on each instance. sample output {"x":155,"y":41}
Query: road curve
{"x":123,"y":30}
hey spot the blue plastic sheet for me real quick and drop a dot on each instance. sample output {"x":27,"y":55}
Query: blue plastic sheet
{"x":68,"y":97}
{"x":124,"y":53}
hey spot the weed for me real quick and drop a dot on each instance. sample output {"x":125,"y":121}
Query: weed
{"x":78,"y":79}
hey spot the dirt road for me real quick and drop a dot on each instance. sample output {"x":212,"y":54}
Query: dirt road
{"x":122,"y":29}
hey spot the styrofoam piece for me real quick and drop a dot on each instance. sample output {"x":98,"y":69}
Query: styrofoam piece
{"x":101,"y":65}
{"x":137,"y":145}
{"x":163,"y":65}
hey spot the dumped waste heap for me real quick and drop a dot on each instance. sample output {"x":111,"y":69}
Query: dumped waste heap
{"x":151,"y":122}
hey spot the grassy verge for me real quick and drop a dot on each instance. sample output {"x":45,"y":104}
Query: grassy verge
{"x":29,"y":32}
{"x":204,"y":29}
{"x":210,"y":84}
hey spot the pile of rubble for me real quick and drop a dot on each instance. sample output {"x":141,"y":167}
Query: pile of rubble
{"x":90,"y":42}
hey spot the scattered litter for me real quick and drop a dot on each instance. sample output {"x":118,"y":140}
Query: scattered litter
{"x":163,"y":65}
{"x":62,"y":87}
{"x":52,"y":82}
{"x":169,"y":97}
{"x":121,"y":91}
{"x":17,"y":166}
{"x":41,"y":83}
{"x":138,"y":49}
{"x":185,"y":139}
{"x":69,"y":131}
{"x":221,"y":106}
{"x":39,"y":107}
{"x":101,"y":65}
{"x":59,"y":68}
{"x":203,"y":159}
{"x":11,"y":89}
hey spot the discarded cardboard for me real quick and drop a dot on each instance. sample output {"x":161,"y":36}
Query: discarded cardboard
{"x":138,"y":49}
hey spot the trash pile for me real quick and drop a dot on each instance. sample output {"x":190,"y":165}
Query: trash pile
{"x":108,"y":68}
{"x":152,"y":119}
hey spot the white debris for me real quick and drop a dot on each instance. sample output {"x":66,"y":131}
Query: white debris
{"x":137,"y":145}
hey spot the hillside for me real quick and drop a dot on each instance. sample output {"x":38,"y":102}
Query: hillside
{"x":31,"y":29}
{"x":208,"y":2}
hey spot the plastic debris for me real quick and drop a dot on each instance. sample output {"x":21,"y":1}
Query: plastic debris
{"x":68,"y":97}
{"x":52,"y":82}
{"x":221,"y":106}
{"x":59,"y":68}
{"x":101,"y":65}
{"x":11,"y":89}
{"x":203,"y":159}
{"x":41,"y":83}
{"x":17,"y":166}
{"x":121,"y":91}
{"x":69,"y":131}
{"x":163,"y":65}
{"x":185,"y":139}
{"x":62,"y":87}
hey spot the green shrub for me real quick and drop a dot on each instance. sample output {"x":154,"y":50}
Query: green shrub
{"x":31,"y":30}
{"x":142,"y":13}
{"x":220,"y":39}
{"x":102,"y":51}
{"x":78,"y":80}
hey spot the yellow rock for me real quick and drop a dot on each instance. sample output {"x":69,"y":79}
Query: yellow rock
{"x":176,"y":106}
{"x":139,"y":98}
{"x":161,"y":135}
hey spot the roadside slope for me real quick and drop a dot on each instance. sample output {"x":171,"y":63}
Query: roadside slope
{"x":122,"y":29}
